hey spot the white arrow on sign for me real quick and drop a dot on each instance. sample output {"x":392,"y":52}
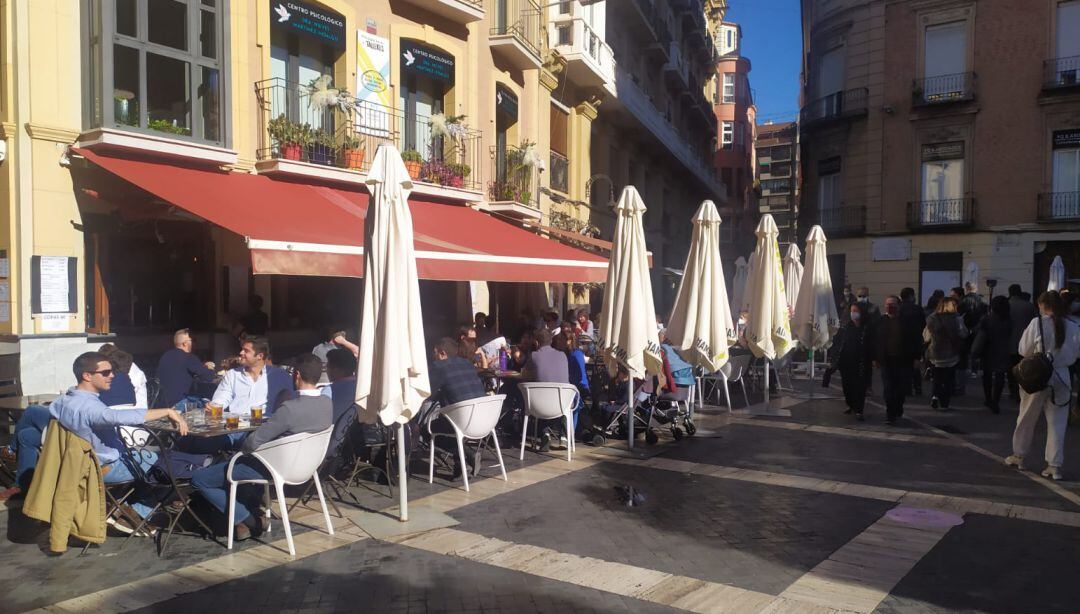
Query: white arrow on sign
{"x":498,"y":97}
{"x":283,"y":13}
{"x":409,"y":58}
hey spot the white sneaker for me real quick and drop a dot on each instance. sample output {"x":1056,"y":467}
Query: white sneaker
{"x":1015,"y":461}
{"x":1052,"y":472}
{"x":563,"y":442}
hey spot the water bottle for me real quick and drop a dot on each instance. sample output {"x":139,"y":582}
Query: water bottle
{"x":502,"y":359}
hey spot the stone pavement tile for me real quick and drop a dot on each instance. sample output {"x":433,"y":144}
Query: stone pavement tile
{"x":751,"y":536}
{"x":374,"y":576}
{"x":991,"y":564}
{"x":944,"y":470}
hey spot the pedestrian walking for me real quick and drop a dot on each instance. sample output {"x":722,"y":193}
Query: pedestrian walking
{"x":991,"y":348}
{"x":895,"y":357}
{"x":1055,"y":335}
{"x":1021,"y":313}
{"x":914,"y":320}
{"x":945,"y":331}
{"x":851,"y":356}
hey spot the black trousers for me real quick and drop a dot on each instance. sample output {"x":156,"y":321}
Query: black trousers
{"x":896,"y":378}
{"x":993,"y":385}
{"x":854,"y":389}
{"x":944,"y":384}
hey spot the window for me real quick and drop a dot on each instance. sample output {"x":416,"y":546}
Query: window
{"x":729,"y":87}
{"x":728,"y":134}
{"x":945,"y":60}
{"x":942,"y":183}
{"x":1068,"y":25}
{"x":776,"y":185}
{"x":738,"y":137}
{"x":781,"y":169}
{"x":828,"y":187}
{"x":830,"y":82}
{"x":781,"y":152}
{"x":161,"y":62}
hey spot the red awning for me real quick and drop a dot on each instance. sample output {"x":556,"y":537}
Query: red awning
{"x":303,"y":229}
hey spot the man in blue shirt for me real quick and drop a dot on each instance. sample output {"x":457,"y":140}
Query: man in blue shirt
{"x":178,"y":369}
{"x":254,"y":382}
{"x":81,"y":411}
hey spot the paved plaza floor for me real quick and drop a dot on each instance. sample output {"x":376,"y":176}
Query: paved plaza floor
{"x":812,"y":512}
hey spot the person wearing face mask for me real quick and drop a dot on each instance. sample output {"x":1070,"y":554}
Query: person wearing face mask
{"x":895,"y":355}
{"x":871,"y":315}
{"x":851,"y":353}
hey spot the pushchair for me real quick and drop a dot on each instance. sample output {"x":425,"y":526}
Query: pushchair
{"x":650,"y":412}
{"x":675,"y":409}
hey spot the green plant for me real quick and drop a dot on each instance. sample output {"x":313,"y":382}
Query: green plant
{"x":285,"y":132}
{"x":353,"y":142}
{"x":411,"y":155}
{"x":164,"y":125}
{"x":461,"y":170}
{"x":323,"y":138}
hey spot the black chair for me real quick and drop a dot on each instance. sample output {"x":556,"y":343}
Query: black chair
{"x":153,"y":391}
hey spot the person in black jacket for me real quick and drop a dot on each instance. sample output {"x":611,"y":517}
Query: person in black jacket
{"x":914,"y":321}
{"x":991,"y":346}
{"x":895,"y":354}
{"x":851,"y":356}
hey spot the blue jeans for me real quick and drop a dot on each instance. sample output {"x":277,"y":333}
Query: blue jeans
{"x":190,"y":403}
{"x":26,"y":443}
{"x":214,"y":487}
{"x":194,"y":444}
{"x":123,"y":471}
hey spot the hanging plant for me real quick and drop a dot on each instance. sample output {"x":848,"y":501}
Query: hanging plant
{"x":322,"y":96}
{"x":530,"y":157}
{"x":449,"y":126}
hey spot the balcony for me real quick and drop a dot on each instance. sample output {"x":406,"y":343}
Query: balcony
{"x":516,"y":33}
{"x":457,"y":11}
{"x":559,"y":169}
{"x":838,"y":106}
{"x":337,"y":142}
{"x":512,"y":192}
{"x":676,"y":70}
{"x":843,"y":221}
{"x":1061,"y":74}
{"x":590,"y":62}
{"x":943,"y":89}
{"x":1059,"y":207}
{"x":948,"y":214}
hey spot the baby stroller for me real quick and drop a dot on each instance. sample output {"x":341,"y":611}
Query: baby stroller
{"x":613,"y":415}
{"x":675,"y":409}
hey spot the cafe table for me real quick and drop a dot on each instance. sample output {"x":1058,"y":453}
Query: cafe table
{"x":201,"y":425}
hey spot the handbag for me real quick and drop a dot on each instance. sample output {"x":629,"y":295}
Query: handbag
{"x":1034,"y":373}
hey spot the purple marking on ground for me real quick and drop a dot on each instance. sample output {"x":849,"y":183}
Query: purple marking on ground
{"x":924,"y":517}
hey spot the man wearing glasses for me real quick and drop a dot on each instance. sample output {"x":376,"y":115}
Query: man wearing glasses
{"x":81,"y":411}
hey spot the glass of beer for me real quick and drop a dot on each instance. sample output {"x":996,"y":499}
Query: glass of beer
{"x":256,"y":414}
{"x":213,"y":411}
{"x":232,"y":421}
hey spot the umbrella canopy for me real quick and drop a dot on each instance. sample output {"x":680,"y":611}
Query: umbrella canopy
{"x":391,"y":376}
{"x":769,"y":330}
{"x":700,"y":323}
{"x":815,"y":320}
{"x":738,"y":285}
{"x":628,"y":321}
{"x":793,"y":273}
{"x":1057,"y":275}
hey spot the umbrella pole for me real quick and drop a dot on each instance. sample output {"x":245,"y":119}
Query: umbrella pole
{"x":403,"y":495}
{"x":766,"y":383}
{"x":811,"y":373}
{"x":630,"y":409}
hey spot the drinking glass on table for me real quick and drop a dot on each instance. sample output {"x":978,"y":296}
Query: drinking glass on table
{"x":214,"y":411}
{"x":232,"y":421}
{"x":256,"y":414}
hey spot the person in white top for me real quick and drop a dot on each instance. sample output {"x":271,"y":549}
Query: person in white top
{"x":1061,"y":339}
{"x":138,"y":380}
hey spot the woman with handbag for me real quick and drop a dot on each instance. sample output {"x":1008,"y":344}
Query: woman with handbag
{"x":991,"y":347}
{"x":945,"y":332}
{"x":1049,"y":341}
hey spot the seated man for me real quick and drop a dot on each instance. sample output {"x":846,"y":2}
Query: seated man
{"x":81,"y":411}
{"x":310,"y":412}
{"x":178,"y":369}
{"x":453,"y":380}
{"x":335,"y":339}
{"x":547,"y":364}
{"x":341,"y":370}
{"x":121,"y":394}
{"x":131,"y":370}
{"x":254,"y":382}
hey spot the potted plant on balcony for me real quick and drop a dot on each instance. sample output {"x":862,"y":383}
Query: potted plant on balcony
{"x":353,"y":151}
{"x":457,"y":174}
{"x":289,"y":137}
{"x":323,"y":147}
{"x":414,"y":162}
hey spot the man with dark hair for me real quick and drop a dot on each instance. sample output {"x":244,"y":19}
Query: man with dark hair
{"x":546,"y":364}
{"x":310,"y":412}
{"x":896,"y":353}
{"x":334,"y":339}
{"x":122,"y":392}
{"x":341,"y":369}
{"x":178,"y":369}
{"x":1021,"y":313}
{"x":254,"y":382}
{"x":453,"y":379}
{"x":914,"y":321}
{"x":81,"y":411}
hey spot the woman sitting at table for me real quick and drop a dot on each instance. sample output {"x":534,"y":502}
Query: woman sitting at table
{"x":519,"y":355}
{"x":567,"y":342}
{"x":468,"y":349}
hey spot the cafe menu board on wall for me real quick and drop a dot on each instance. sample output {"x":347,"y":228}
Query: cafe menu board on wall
{"x":426,"y":61}
{"x":53,"y":284}
{"x":309,"y":20}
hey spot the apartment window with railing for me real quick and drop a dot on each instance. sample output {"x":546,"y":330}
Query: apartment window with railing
{"x":1064,"y":67}
{"x":942,"y":183}
{"x":727,"y":134}
{"x":1065,"y":196}
{"x":158,"y":66}
{"x":729,"y":87}
{"x":781,"y":186}
{"x":559,"y":175}
{"x":828,"y":185}
{"x":945,"y":61}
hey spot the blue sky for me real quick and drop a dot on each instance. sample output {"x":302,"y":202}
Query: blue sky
{"x":772,"y":39}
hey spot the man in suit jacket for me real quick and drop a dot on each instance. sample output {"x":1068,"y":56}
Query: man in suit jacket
{"x":254,"y":382}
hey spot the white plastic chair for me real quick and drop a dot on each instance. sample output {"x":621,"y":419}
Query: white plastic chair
{"x":549,"y":401}
{"x":290,"y":460}
{"x":732,"y":372}
{"x":472,"y":420}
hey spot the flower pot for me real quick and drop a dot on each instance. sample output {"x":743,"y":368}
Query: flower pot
{"x":321,"y":154}
{"x":290,"y":151}
{"x":354,"y":158}
{"x":414,"y":169}
{"x":455,"y":181}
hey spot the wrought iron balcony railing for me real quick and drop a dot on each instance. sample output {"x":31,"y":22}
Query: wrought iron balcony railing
{"x":1061,"y":73}
{"x":943,"y":89}
{"x":944,"y":214}
{"x":1059,"y":207}
{"x":514,"y":176}
{"x":520,"y":19}
{"x":845,"y":220}
{"x":849,"y":103}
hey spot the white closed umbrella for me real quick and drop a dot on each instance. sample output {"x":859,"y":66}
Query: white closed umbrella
{"x":1057,"y":275}
{"x":769,"y":331}
{"x":738,"y":285}
{"x":815,"y":321}
{"x":793,"y":272}
{"x":628,"y":321}
{"x":700,"y":323}
{"x":391,"y":376}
